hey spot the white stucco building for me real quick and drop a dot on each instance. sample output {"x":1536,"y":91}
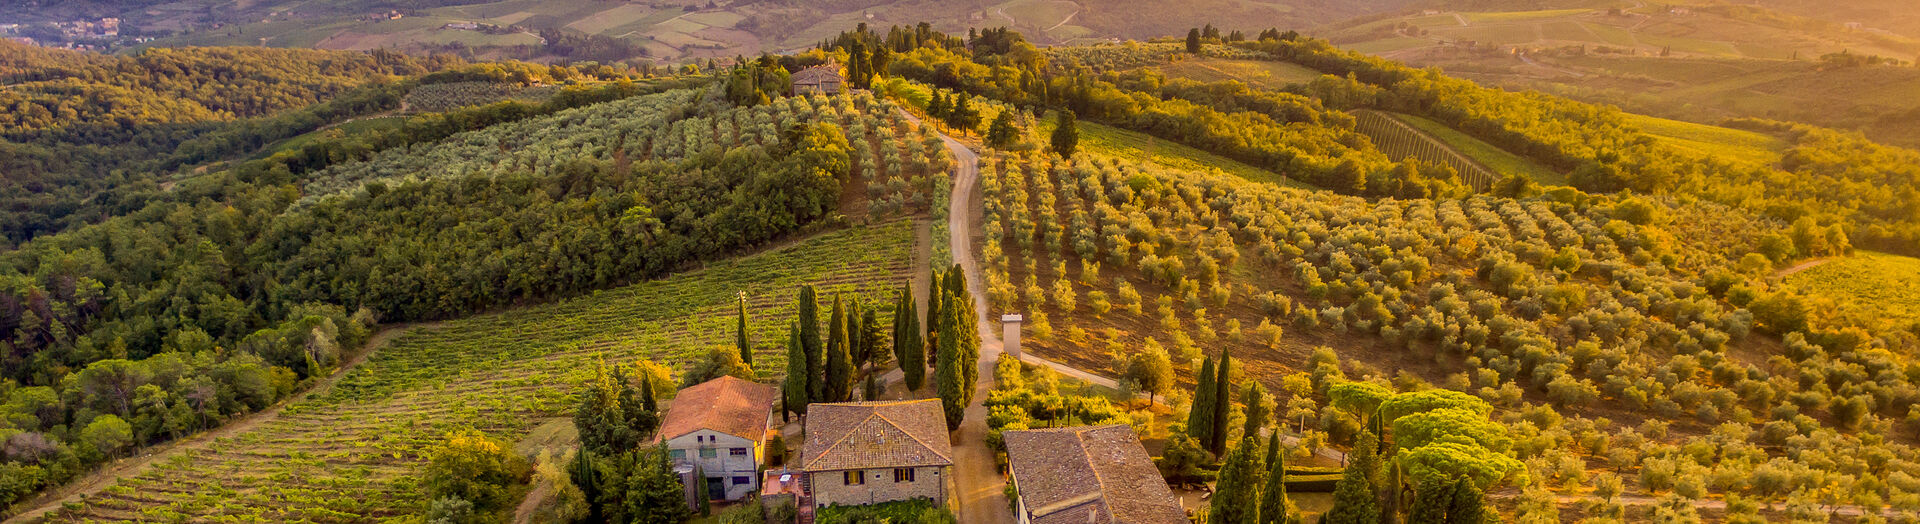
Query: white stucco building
{"x":720,"y":427}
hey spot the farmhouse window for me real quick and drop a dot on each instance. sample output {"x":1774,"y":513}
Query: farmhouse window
{"x":677,"y":454}
{"x":853,"y":478}
{"x":903,"y":474}
{"x":738,"y":452}
{"x":707,"y":453}
{"x":742,"y":481}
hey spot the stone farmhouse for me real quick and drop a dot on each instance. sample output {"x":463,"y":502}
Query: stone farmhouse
{"x":859,"y":453}
{"x":1088,"y":475}
{"x":720,"y":428}
{"x":823,"y":78}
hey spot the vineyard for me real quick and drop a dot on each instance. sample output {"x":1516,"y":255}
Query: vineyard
{"x":900,"y":163}
{"x":443,"y":97}
{"x":349,"y":454}
{"x":1401,"y":141}
{"x":1528,"y":303}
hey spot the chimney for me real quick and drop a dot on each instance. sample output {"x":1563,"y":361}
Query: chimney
{"x":1010,"y":339}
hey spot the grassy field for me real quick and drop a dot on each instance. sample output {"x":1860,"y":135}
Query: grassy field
{"x":350,"y":454}
{"x":1113,"y":142}
{"x":1868,"y":285}
{"x":1266,"y":74}
{"x":1733,"y":144}
{"x":1499,"y":160}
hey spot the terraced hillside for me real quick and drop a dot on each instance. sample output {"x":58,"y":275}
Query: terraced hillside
{"x":349,"y":454}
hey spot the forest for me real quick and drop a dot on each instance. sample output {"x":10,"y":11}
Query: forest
{"x":224,"y":296}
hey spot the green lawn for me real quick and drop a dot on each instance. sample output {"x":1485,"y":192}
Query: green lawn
{"x":1732,"y":144}
{"x":1867,"y":284}
{"x":1097,"y":139}
{"x":1499,"y":160}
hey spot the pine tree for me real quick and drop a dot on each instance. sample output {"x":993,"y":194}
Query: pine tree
{"x":740,"y":334}
{"x":1354,"y":501}
{"x":1273,"y":499}
{"x":947,"y":372}
{"x":1193,"y":40}
{"x":937,"y":106}
{"x":908,"y":348}
{"x":1222,"y":405}
{"x":654,"y":494}
{"x":1200,"y":417}
{"x":810,"y":342}
{"x":1236,"y":497}
{"x":1469,"y":504}
{"x":795,"y":388}
{"x":839,"y":363}
{"x":1066,"y":133}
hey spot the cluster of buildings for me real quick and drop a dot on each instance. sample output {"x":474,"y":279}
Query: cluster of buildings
{"x":860,"y":453}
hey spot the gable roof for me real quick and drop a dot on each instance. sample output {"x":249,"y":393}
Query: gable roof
{"x":868,"y":435}
{"x":827,"y":71}
{"x":728,"y":405}
{"x":1095,"y":474}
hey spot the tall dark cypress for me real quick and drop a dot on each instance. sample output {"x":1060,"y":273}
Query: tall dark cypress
{"x":856,"y":335}
{"x":966,"y":328}
{"x":1200,"y":417}
{"x":947,"y":373}
{"x":1273,"y":499}
{"x":909,"y":349}
{"x":810,"y":343}
{"x":795,"y":391}
{"x":1222,"y":404}
{"x":740,"y":341}
{"x":839,"y":364}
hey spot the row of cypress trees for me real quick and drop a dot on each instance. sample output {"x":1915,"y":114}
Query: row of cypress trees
{"x":823,"y":371}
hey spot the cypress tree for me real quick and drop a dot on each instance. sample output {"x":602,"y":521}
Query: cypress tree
{"x":856,"y":336}
{"x":740,"y":334}
{"x":586,"y":475}
{"x":946,"y":374}
{"x":1222,"y":405}
{"x":1066,"y":134}
{"x":1236,"y":500}
{"x":646,"y":394}
{"x":870,"y":352}
{"x":795,"y":388}
{"x":839,"y":363}
{"x":936,"y":293}
{"x":908,"y":348}
{"x":1430,"y":502}
{"x":1200,"y":417}
{"x":1273,"y":499}
{"x":1354,"y":501}
{"x":966,"y":330}
{"x":1469,"y":504}
{"x":703,"y":500}
{"x":810,"y":342}
{"x":1258,"y":411}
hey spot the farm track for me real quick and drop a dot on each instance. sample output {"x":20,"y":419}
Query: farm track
{"x":1803,"y":266}
{"x":100,"y":479}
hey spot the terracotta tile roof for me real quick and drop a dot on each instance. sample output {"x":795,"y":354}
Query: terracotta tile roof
{"x":727,"y":404}
{"x":828,"y":70}
{"x":869,"y":435}
{"x":1082,"y":475}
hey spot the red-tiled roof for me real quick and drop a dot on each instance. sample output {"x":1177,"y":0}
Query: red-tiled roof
{"x":867,"y":435}
{"x":1081,"y":475}
{"x":727,"y":404}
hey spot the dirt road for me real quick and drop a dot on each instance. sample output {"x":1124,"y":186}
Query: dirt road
{"x":104,"y":477}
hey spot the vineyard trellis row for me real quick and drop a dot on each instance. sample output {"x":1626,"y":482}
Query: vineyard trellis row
{"x":1401,"y":141}
{"x":350,"y":454}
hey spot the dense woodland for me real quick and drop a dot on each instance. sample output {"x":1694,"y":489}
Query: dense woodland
{"x":222,"y":296}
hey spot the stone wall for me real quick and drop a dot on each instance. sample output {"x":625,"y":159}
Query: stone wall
{"x":829,"y":487}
